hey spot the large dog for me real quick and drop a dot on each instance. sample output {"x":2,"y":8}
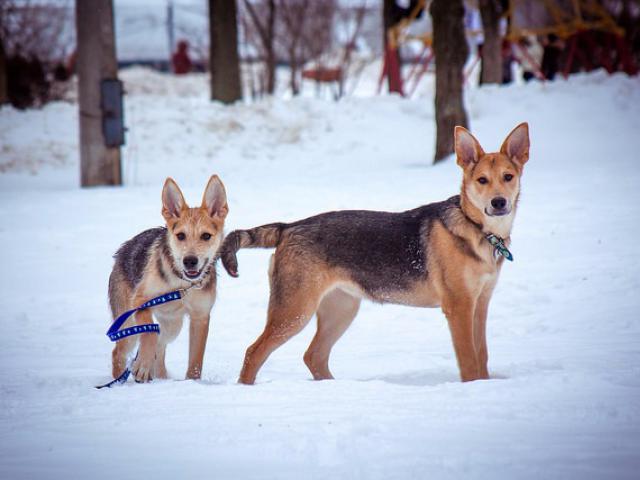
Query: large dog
{"x":156,"y":261}
{"x":446,"y":254}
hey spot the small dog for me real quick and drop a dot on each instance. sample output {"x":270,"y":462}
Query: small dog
{"x":163,"y":259}
{"x":446,"y":254}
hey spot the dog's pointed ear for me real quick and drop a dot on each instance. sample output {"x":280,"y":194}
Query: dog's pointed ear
{"x":172,"y":200}
{"x":516,"y":145}
{"x":468,"y":149}
{"x":214,"y":200}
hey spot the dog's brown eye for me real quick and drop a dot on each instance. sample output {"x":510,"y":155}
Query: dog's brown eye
{"x":181,"y":236}
{"x":205,"y":236}
{"x":483,"y":180}
{"x":508,"y":177}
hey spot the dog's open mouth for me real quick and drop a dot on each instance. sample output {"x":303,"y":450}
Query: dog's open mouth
{"x":192,"y":274}
{"x":492,"y":212}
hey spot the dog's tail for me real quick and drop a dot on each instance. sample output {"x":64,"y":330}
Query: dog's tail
{"x":266,"y":236}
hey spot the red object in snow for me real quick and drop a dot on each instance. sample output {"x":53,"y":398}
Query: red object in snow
{"x":180,"y":60}
{"x":323,"y":74}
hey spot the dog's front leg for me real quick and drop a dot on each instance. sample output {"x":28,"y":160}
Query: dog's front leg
{"x":459,"y":312}
{"x":480,"y":331}
{"x":141,"y":368}
{"x":198,"y":332}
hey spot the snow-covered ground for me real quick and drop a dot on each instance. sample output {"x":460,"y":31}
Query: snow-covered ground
{"x":564,"y":328}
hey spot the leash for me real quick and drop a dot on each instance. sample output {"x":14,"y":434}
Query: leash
{"x":115,"y":334}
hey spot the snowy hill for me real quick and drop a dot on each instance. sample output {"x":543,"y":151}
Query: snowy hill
{"x":564,"y":336}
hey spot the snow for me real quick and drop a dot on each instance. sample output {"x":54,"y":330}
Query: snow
{"x":564,"y":337}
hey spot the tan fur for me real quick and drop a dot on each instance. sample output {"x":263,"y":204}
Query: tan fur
{"x":463,"y":270}
{"x":197,"y":303}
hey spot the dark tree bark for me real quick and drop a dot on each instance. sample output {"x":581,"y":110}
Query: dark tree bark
{"x":223,"y":58}
{"x":271,"y":54}
{"x":490,"y":11}
{"x":451,"y":50}
{"x":4,"y":93}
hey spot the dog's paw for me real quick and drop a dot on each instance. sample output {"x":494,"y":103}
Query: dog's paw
{"x":141,"y":369}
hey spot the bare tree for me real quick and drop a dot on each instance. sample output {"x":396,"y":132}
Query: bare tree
{"x":36,"y":29}
{"x":451,"y":51}
{"x":293,"y":14}
{"x":490,"y":11}
{"x":627,"y":15}
{"x":306,"y":32}
{"x":223,"y":60}
{"x":330,"y":39}
{"x":35,"y":38}
{"x":351,"y":20}
{"x":265,"y":31}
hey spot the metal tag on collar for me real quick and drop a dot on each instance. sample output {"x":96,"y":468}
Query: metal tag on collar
{"x":499,"y":248}
{"x":195,"y":285}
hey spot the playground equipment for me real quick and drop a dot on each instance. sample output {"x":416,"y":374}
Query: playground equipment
{"x":322,"y":74}
{"x":396,"y":35}
{"x":590,"y":35}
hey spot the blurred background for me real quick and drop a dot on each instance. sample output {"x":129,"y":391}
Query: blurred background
{"x":320,"y":47}
{"x":250,"y":49}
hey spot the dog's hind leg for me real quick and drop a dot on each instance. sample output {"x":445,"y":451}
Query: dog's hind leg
{"x":295,"y":294}
{"x":284,"y":321}
{"x":335,"y":313}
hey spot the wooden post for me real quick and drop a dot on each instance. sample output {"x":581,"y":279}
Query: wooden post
{"x":96,"y":60}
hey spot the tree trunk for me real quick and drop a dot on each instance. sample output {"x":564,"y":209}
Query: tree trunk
{"x":266,"y":33}
{"x":492,"y":47}
{"x":223,"y":57}
{"x":451,"y":50}
{"x":99,"y":164}
{"x":4,"y":92}
{"x":293,"y":78}
{"x":271,"y":56}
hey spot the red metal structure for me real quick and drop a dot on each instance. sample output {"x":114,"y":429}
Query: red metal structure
{"x":591,"y":36}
